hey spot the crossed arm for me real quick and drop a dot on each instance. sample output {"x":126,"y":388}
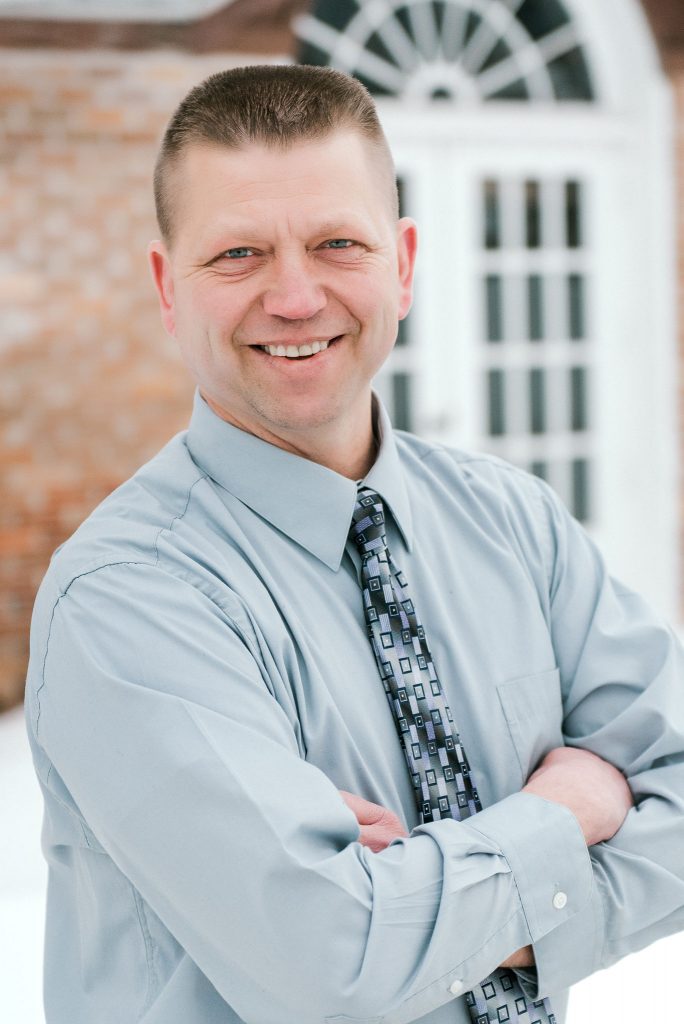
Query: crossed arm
{"x":595,"y":791}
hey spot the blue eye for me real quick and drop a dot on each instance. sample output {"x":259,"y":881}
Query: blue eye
{"x":238,"y":253}
{"x":340,"y":243}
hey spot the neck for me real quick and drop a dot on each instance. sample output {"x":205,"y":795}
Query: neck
{"x":350,"y":453}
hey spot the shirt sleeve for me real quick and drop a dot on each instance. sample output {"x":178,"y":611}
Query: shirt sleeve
{"x":622,"y":676}
{"x":157,"y":713}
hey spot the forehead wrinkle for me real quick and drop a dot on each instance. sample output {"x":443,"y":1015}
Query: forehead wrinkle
{"x":342,"y":225}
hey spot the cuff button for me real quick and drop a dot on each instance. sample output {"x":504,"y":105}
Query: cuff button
{"x":456,"y":987}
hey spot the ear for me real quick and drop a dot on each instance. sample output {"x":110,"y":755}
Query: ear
{"x":160,"y":265}
{"x":407,"y":246}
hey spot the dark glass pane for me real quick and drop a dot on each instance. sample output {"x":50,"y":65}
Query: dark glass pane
{"x":573,"y":214}
{"x":439,"y":6}
{"x":494,"y":301}
{"x":401,"y":401}
{"x":578,"y":398}
{"x":337,"y":13}
{"x":499,"y":53}
{"x":307,"y":53}
{"x":491,"y":215}
{"x":576,"y":310}
{"x":532,"y":215}
{"x":403,"y":332}
{"x":537,"y":382}
{"x":375,"y":88}
{"x":535,"y":307}
{"x":401,"y":190}
{"x":539,"y":469}
{"x":402,"y":16}
{"x":515,"y":91}
{"x":377,"y":47}
{"x":471,"y":25}
{"x":570,"y":76}
{"x":580,"y":490}
{"x":496,"y":402}
{"x":542,"y":16}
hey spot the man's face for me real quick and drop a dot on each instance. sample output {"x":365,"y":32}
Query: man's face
{"x":285,"y":248}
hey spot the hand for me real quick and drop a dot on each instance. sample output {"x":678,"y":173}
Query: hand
{"x":595,"y":791}
{"x":378,"y":825}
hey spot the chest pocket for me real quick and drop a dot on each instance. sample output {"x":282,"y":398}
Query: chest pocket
{"x":533,"y":710}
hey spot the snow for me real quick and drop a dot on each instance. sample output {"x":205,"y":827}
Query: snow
{"x":635,"y":990}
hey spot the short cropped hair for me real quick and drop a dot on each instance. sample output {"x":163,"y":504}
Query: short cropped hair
{"x":275,"y":105}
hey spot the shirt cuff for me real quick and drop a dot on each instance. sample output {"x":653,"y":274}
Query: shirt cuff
{"x":545,"y":848}
{"x":569,"y":953}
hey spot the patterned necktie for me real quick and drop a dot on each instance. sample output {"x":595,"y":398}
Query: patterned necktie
{"x":442,"y":781}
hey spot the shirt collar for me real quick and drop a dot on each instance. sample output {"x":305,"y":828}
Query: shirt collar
{"x":310,"y":503}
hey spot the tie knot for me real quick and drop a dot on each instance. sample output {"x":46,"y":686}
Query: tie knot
{"x":368,"y":522}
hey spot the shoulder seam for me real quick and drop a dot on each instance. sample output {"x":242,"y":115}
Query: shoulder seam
{"x":176,"y":518}
{"x":87,"y":572}
{"x":97,"y":568}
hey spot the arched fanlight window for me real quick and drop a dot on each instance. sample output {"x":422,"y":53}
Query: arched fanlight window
{"x":467,"y":50}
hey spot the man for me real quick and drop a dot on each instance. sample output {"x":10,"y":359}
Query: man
{"x":333,"y":723}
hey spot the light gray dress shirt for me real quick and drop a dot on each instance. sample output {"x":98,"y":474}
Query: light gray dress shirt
{"x":201,"y":685}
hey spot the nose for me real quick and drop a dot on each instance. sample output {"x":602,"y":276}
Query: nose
{"x":293,"y":292}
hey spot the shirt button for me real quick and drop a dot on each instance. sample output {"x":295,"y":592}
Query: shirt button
{"x":456,"y":987}
{"x":560,"y":900}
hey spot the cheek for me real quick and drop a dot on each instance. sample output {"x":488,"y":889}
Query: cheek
{"x":375,"y":300}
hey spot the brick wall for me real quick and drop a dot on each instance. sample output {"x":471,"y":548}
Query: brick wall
{"x":676,"y":73}
{"x":90,"y":386}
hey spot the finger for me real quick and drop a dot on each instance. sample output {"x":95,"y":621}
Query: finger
{"x":367,"y":813}
{"x":378,"y":837}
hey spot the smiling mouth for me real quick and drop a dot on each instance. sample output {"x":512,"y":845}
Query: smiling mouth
{"x":306,"y":351}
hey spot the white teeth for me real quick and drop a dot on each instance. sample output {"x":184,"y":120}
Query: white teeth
{"x":294,"y":351}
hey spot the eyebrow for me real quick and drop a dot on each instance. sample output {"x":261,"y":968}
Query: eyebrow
{"x":246,"y":230}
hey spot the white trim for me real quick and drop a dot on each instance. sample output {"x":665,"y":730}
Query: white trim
{"x":622,"y":53}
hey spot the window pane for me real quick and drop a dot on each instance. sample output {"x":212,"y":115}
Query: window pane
{"x":494,"y":300}
{"x":539,"y":469}
{"x":576,"y":298}
{"x":401,"y":190}
{"x":535,"y":307}
{"x":580,"y":489}
{"x":578,"y":398}
{"x":573,"y":214}
{"x":496,"y":402}
{"x":570,"y":76}
{"x":401,"y":401}
{"x":491,"y":215}
{"x":533,"y":215}
{"x":542,"y":16}
{"x":515,"y":91}
{"x":537,"y":402}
